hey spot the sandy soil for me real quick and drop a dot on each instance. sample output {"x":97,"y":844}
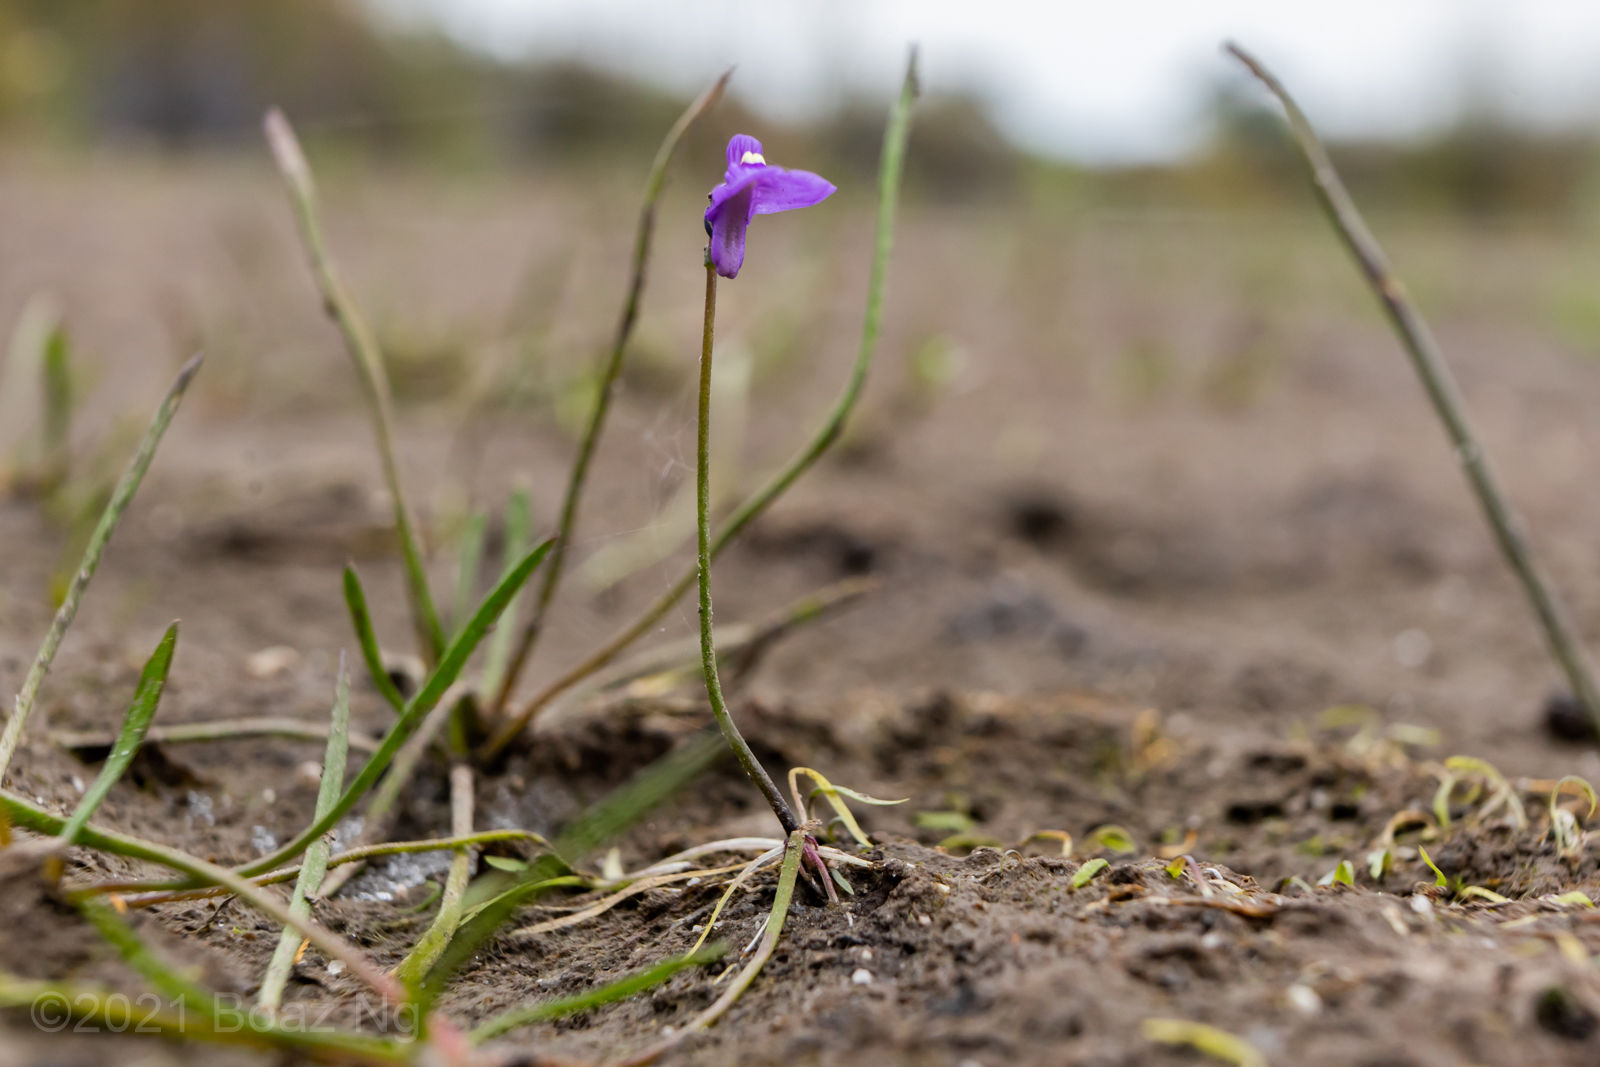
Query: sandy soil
{"x":1109,"y":462}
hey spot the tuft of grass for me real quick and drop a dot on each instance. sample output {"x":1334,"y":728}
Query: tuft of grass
{"x":835,"y":795}
{"x":891,"y":168}
{"x":416,"y":709}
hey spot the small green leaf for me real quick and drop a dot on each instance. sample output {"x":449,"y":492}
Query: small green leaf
{"x":1343,"y":874}
{"x":1379,"y":862}
{"x":971,"y":840}
{"x":141,"y":713}
{"x":1438,"y":875}
{"x":355,"y":599}
{"x":1113,"y":838}
{"x":1176,"y":867}
{"x":1087,"y":872}
{"x":838,"y":876}
{"x":1218,"y":1044}
{"x":1470,"y":891}
{"x":954,"y":821}
{"x":1574,"y":897}
{"x":502,"y":863}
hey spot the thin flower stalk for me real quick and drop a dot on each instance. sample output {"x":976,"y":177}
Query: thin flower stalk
{"x":629,"y":317}
{"x":1443,"y":392}
{"x":891,"y":168}
{"x":121,"y":496}
{"x":708,"y":647}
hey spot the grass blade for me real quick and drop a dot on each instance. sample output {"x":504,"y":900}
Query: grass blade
{"x":356,"y":599}
{"x":363,"y":346}
{"x":1440,"y":384}
{"x":518,"y":528}
{"x":469,"y":557}
{"x":29,"y":816}
{"x":316,"y":861}
{"x":621,"y":989}
{"x":146,"y":699}
{"x":892,"y":166}
{"x":120,"y":498}
{"x":416,"y":709}
{"x":607,"y":386}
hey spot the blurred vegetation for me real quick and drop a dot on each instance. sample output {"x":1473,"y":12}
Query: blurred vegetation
{"x":185,"y":74}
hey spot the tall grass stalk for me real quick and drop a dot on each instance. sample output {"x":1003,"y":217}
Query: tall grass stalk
{"x":1437,"y":380}
{"x":643,"y":238}
{"x":121,"y":496}
{"x":316,"y":859}
{"x":363,"y":345}
{"x":891,"y":167}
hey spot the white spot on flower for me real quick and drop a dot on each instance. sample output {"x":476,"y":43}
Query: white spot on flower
{"x":753,"y":157}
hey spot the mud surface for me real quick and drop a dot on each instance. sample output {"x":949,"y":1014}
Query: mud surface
{"x":1145,"y":497}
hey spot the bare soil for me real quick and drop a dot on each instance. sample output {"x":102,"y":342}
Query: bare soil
{"x":1174,"y":463}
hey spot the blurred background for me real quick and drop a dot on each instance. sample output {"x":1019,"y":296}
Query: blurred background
{"x":1135,"y":427}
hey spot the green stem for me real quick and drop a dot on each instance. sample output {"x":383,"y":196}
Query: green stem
{"x":120,"y":498}
{"x":608,"y":380}
{"x":363,"y":346}
{"x":1428,"y":362}
{"x":891,"y":167}
{"x":708,"y":645}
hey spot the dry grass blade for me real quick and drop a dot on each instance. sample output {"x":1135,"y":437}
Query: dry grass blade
{"x":90,"y":744}
{"x":121,"y":496}
{"x":769,"y":942}
{"x":363,"y":346}
{"x":1442,"y":390}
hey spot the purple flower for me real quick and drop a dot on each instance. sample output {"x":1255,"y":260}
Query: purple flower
{"x":753,"y":187}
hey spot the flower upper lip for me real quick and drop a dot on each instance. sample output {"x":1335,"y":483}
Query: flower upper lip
{"x":750,"y":187}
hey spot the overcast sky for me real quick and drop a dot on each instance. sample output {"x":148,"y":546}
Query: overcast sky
{"x":1102,"y":81}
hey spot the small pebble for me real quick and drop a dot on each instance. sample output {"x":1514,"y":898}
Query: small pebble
{"x":77,"y":783}
{"x":310,"y":772}
{"x":336,"y":967}
{"x":271,"y":661}
{"x":862,"y":976}
{"x":270,"y":795}
{"x":1304,"y":999}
